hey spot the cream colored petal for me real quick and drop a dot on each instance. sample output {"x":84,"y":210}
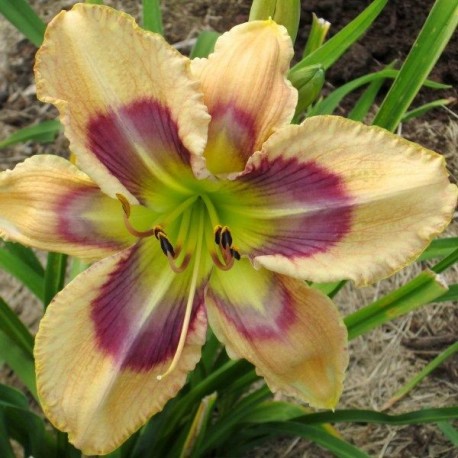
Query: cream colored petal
{"x":291,"y":333}
{"x":367,"y":202}
{"x":47,"y":203}
{"x":104,"y":340}
{"x":131,"y":110}
{"x":246,"y":91}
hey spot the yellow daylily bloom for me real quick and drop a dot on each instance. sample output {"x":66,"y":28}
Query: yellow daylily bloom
{"x":200,"y":203}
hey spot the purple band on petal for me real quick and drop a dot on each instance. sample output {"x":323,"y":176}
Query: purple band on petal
{"x":115,"y":138}
{"x":121,"y":302}
{"x":327,"y":206}
{"x":81,"y":230}
{"x":274,"y":321}
{"x":237,"y":124}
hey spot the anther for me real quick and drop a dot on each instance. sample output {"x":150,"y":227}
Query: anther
{"x":218,"y":230}
{"x":235,"y":254}
{"x":226,"y":238}
{"x":223,"y":238}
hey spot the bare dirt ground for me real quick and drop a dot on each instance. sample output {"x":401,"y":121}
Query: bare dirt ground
{"x":381,"y":361}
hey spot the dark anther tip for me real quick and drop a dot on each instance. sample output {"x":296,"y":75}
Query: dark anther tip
{"x":235,"y":254}
{"x":226,"y":238}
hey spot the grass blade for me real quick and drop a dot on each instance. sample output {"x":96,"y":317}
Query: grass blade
{"x":437,"y":361}
{"x":447,"y":262}
{"x":439,"y":248}
{"x":152,"y":16}
{"x":449,"y":432}
{"x":332,"y":49}
{"x":331,"y":102}
{"x":365,"y":102}
{"x":13,"y":327}
{"x":421,"y":290}
{"x":450,"y":295}
{"x":24,"y":18}
{"x":421,"y":110}
{"x":328,"y":441}
{"x":19,"y":362}
{"x":44,"y":132}
{"x":25,"y":255}
{"x":54,"y":276}
{"x":22,"y":271}
{"x":370,"y":416}
{"x":433,"y":37}
{"x":205,"y":44}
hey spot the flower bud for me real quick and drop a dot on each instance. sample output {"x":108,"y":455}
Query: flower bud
{"x":309,"y":82}
{"x":284,"y":12}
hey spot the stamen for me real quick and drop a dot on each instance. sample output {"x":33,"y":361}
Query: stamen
{"x":126,"y":208}
{"x":228,"y":265}
{"x":192,"y":293}
{"x":223,"y":239}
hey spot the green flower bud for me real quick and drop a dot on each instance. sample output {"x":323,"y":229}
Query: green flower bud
{"x":284,"y":12}
{"x":309,"y":82}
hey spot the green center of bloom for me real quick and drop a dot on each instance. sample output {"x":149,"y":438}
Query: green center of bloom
{"x":189,"y":246}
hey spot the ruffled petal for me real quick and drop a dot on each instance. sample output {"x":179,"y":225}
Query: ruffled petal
{"x":47,"y":203}
{"x":333,"y":199}
{"x":246,"y":92}
{"x":104,"y":340}
{"x":133,"y":114}
{"x":292,"y":333}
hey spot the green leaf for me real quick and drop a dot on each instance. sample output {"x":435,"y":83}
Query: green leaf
{"x":152,"y":16}
{"x":45,"y":132}
{"x":205,"y":44}
{"x":6,"y":450}
{"x":13,"y":327}
{"x":421,"y":290}
{"x":328,"y":441}
{"x":26,"y":255}
{"x":21,"y":364}
{"x":369,"y":416}
{"x":449,"y":432}
{"x":54,"y":276}
{"x":439,"y":248}
{"x":22,"y":425}
{"x":437,"y":361}
{"x":365,"y":102}
{"x":330,"y":52}
{"x":331,"y":102}
{"x":317,"y":35}
{"x":221,"y":431}
{"x":24,"y":18}
{"x":450,"y":295}
{"x":422,"y":109}
{"x":269,"y":411}
{"x":447,"y":262}
{"x":330,"y":288}
{"x":433,"y":37}
{"x":15,"y":266}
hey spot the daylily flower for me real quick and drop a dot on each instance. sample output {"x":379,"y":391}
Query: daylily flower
{"x":199,"y":202}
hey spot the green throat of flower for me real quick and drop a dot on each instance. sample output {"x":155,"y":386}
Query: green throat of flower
{"x":189,"y":247}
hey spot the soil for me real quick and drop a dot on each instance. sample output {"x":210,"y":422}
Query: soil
{"x":381,"y":361}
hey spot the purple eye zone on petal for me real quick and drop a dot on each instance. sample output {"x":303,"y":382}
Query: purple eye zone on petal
{"x":303,"y":185}
{"x":260,"y":325}
{"x":118,"y":307}
{"x":146,"y":124}
{"x":80,"y":230}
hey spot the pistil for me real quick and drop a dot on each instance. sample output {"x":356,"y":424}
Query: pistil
{"x":190,"y":301}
